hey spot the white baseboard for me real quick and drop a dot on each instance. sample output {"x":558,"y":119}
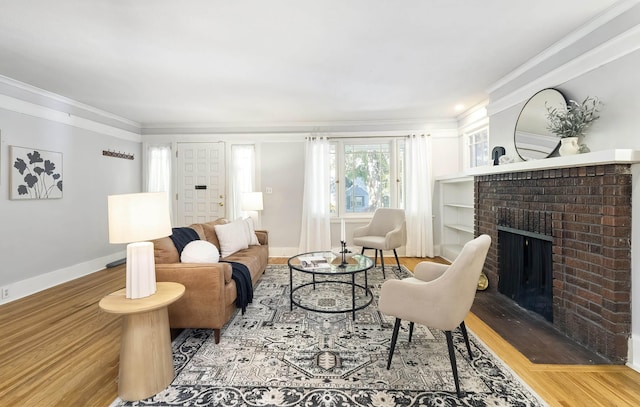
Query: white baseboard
{"x":292,"y":251}
{"x":283,"y":251}
{"x":24,"y":288}
{"x":633,"y":357}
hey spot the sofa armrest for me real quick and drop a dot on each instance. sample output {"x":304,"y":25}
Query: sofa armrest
{"x":263,"y":237}
{"x":204,"y":299}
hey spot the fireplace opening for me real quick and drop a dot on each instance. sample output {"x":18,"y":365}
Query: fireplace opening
{"x":525,"y":273}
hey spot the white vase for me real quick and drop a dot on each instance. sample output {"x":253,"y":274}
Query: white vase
{"x":569,"y":146}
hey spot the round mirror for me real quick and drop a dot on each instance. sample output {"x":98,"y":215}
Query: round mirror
{"x":532,"y":139}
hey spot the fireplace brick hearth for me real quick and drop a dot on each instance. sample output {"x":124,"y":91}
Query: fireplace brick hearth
{"x":587,"y":211}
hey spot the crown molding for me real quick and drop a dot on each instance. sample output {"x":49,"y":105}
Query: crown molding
{"x":595,"y":23}
{"x":607,"y":52}
{"x":32,"y":109}
{"x":270,"y":128}
{"x":29,"y":90}
{"x":60,"y":109}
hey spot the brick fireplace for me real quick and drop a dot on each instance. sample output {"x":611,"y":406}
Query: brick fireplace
{"x":586,"y":212}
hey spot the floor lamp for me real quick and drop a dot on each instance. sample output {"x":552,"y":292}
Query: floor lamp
{"x":134,"y":219}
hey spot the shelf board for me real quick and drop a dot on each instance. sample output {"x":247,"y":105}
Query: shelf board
{"x":618,"y":156}
{"x":459,"y":205}
{"x":462,"y":228}
{"x":451,"y":179}
{"x":451,"y":251}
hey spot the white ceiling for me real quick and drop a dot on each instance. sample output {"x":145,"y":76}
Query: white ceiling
{"x":169,"y":62}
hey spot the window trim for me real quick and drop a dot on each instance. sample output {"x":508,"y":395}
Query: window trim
{"x":466,"y":132}
{"x":394,"y":146}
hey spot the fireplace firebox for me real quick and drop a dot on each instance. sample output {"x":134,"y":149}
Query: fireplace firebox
{"x":526,"y":270}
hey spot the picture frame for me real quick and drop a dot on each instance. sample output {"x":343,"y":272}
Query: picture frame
{"x":35,"y":174}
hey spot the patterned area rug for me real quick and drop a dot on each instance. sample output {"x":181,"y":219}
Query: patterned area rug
{"x":274,"y":356}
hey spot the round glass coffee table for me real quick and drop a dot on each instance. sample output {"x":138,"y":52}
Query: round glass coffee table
{"x":326,"y":268}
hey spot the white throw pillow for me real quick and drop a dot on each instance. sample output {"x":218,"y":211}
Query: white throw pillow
{"x":232,"y":237}
{"x":200,"y":251}
{"x":252,"y":239}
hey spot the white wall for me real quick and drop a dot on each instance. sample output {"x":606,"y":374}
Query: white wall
{"x":280,"y":165}
{"x":282,"y":170}
{"x":46,"y":242}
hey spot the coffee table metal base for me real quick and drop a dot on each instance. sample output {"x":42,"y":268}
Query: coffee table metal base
{"x":353,"y":285}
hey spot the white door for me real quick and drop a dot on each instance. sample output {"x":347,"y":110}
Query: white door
{"x":201,"y":182}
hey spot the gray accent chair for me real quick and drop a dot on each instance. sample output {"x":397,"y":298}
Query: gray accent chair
{"x":386,"y":231}
{"x":437,"y":296}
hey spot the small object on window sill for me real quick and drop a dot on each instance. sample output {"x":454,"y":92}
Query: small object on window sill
{"x":497,"y":152}
{"x":505,"y":160}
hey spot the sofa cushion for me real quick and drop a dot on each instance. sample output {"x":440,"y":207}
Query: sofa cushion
{"x":232,"y":237}
{"x":252,"y":239}
{"x":210,"y":232}
{"x":199,"y":230}
{"x":165,"y":251}
{"x":255,"y":257}
{"x":200,"y":251}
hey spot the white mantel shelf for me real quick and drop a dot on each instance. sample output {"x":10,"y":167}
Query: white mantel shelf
{"x":620,"y":156}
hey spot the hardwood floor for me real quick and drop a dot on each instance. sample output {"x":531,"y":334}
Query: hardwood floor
{"x":58,"y":349}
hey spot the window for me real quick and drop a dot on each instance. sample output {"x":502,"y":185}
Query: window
{"x":478,"y":141}
{"x":363,"y":175}
{"x":158,"y":170}
{"x":242,"y":177}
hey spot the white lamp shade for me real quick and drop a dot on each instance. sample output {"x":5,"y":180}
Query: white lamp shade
{"x":138,"y":217}
{"x":252,"y":201}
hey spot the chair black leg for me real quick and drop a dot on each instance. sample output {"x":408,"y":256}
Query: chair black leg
{"x":375,"y":261}
{"x":452,"y":357}
{"x":463,"y":328}
{"x":394,"y":338}
{"x":397,"y":261}
{"x":410,"y":330}
{"x":382,"y":261}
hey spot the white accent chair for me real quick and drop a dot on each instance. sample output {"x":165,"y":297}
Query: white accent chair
{"x":438,"y":296}
{"x":386,"y":231}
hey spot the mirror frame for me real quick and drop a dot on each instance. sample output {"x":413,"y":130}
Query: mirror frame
{"x":537,"y":140}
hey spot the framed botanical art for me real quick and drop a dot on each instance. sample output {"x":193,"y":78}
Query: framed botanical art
{"x":35,"y":174}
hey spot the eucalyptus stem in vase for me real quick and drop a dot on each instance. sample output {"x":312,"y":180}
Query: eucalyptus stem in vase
{"x":575,"y":119}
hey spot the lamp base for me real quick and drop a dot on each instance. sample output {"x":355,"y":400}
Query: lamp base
{"x":141,"y":270}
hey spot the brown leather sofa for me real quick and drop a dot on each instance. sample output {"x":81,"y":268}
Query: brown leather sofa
{"x":210,"y":295}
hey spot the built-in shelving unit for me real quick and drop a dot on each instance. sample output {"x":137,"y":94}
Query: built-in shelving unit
{"x":456,"y":211}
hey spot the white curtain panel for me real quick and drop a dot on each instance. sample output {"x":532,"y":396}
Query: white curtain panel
{"x":315,"y":233}
{"x":243,"y":164}
{"x":159,"y":171}
{"x":419,"y":191}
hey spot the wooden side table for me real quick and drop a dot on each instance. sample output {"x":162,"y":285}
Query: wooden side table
{"x":146,"y":359}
